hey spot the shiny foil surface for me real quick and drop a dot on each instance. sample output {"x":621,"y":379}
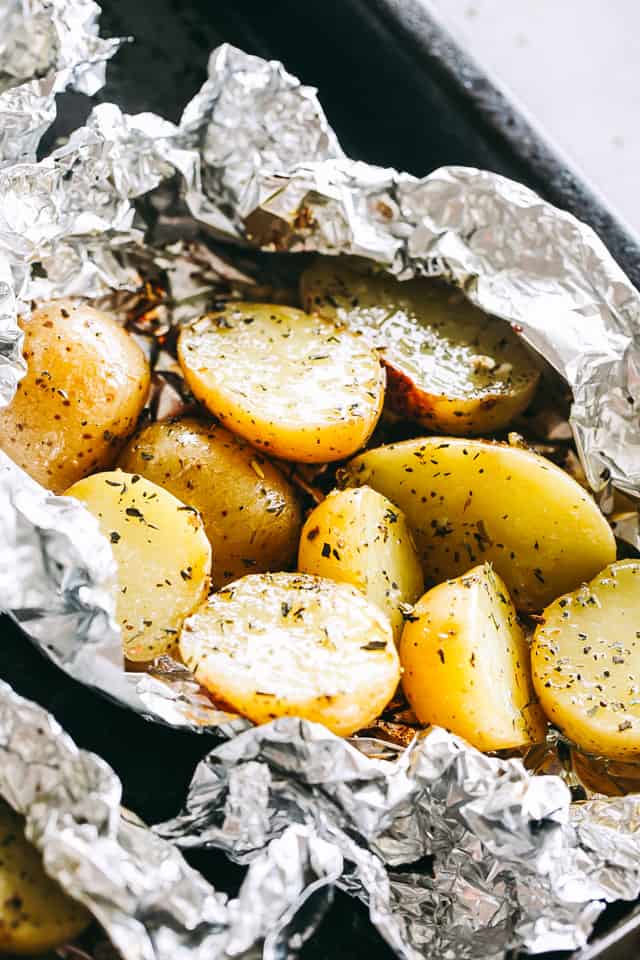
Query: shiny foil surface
{"x":456,"y":854}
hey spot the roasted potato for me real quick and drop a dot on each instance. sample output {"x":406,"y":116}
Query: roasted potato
{"x":285,"y":644}
{"x":466,"y":663}
{"x":251,"y":513}
{"x":450,"y":366}
{"x":360,"y":537}
{"x":295,"y":386}
{"x":471,"y":501}
{"x":586,"y":663}
{"x":162,"y":554}
{"x":35,"y":914}
{"x":86,"y":385}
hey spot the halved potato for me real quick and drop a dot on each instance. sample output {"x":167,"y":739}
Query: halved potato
{"x":162,"y":554}
{"x":586,"y":663}
{"x":471,"y":501}
{"x":295,"y":386}
{"x":86,"y":384}
{"x":287,"y":644}
{"x":466,"y":663}
{"x":35,"y":914}
{"x":360,"y":537}
{"x":450,"y":366}
{"x":250,"y":511}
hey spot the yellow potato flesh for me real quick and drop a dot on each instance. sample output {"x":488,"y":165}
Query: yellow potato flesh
{"x":250,"y":512}
{"x":470,"y":501}
{"x":295,"y":386}
{"x":274,"y":645}
{"x":360,"y":537}
{"x":466,"y":665}
{"x":586,"y":663}
{"x":450,"y":366}
{"x":86,"y":385}
{"x":35,"y":914}
{"x":162,"y":554}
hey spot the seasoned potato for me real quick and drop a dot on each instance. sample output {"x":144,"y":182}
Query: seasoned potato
{"x":466,"y":663}
{"x":586,"y":663}
{"x":35,"y":914}
{"x":471,"y":501}
{"x":251,"y":513}
{"x":360,"y":537}
{"x":296,"y":386}
{"x":162,"y":554}
{"x":450,"y":366}
{"x":86,"y":385}
{"x":286,"y":644}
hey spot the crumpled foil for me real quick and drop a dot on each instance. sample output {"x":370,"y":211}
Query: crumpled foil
{"x":254,"y":160}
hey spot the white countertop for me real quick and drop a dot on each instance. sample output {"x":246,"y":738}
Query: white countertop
{"x":574,"y":65}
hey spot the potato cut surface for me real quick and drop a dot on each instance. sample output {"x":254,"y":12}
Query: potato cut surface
{"x":359,"y":537}
{"x":286,"y":644}
{"x":586,"y":663}
{"x":471,"y":501}
{"x":86,"y":384}
{"x":35,"y":914}
{"x":295,"y":386}
{"x":250,"y":511}
{"x":450,"y":365}
{"x":466,"y":663}
{"x":162,"y":554}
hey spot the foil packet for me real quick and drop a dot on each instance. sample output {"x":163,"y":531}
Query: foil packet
{"x":254,"y":161}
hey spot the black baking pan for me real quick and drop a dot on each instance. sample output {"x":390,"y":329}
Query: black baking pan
{"x":399,"y":92}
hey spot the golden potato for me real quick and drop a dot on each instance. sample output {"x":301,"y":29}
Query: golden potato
{"x":35,"y":914}
{"x":250,"y":511}
{"x":466,"y":663}
{"x":450,"y":366}
{"x":471,"y":501}
{"x":86,"y":385}
{"x":162,"y":554}
{"x":360,"y":537}
{"x":586,"y":663}
{"x":286,"y":644}
{"x":295,"y":386}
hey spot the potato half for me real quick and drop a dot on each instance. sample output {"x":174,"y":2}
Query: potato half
{"x":586,"y":663}
{"x":360,"y":537}
{"x":466,"y":663}
{"x":287,"y":644}
{"x":471,"y":501}
{"x":250,"y":511}
{"x":295,"y":386}
{"x":35,"y":914}
{"x":162,"y":554}
{"x":86,"y":385}
{"x":450,"y":366}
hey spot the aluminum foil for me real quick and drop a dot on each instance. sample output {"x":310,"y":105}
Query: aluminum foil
{"x":255,"y":161}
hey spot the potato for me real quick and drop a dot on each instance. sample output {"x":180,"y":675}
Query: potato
{"x":162,"y":554}
{"x":586,"y":663}
{"x":296,"y":386}
{"x":471,"y":501}
{"x":450,"y":366}
{"x":86,"y":385}
{"x":35,"y":914}
{"x":251,"y":513}
{"x":466,"y":664}
{"x":287,"y":644}
{"x":361,"y":538}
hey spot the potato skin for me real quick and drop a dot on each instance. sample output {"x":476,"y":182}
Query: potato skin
{"x":471,"y":501}
{"x":466,"y":664}
{"x":86,"y":385}
{"x":359,"y":537}
{"x":250,"y":511}
{"x":35,"y":914}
